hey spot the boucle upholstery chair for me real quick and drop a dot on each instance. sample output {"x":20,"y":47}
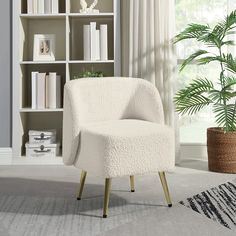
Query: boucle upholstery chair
{"x":115,"y":127}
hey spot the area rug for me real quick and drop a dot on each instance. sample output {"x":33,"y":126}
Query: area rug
{"x":40,"y":201}
{"x":218,"y":204}
{"x":41,"y":216}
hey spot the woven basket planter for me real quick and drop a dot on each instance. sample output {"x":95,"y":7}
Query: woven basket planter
{"x":221,"y":148}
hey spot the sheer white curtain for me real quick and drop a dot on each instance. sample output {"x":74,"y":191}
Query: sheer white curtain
{"x":148,"y":27}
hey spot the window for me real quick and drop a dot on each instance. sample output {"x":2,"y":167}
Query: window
{"x":193,"y":128}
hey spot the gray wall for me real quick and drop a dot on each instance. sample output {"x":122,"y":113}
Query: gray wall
{"x":5,"y":73}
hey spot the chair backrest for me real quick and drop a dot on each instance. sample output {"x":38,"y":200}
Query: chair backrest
{"x":109,"y":98}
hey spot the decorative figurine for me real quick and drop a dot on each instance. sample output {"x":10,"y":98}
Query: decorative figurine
{"x":88,"y":10}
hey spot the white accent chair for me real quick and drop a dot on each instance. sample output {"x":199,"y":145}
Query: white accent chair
{"x":115,"y":127}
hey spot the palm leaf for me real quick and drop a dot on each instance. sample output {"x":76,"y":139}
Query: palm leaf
{"x":196,"y":87}
{"x":191,"y":99}
{"x":230,"y":21}
{"x":228,"y":43}
{"x":193,"y":56}
{"x":229,"y":81}
{"x":192,"y":31}
{"x":228,"y":61}
{"x":206,"y":60}
{"x":211,"y":39}
{"x":192,"y":105}
{"x":225,"y":116}
{"x":223,"y":27}
{"x":216,"y":96}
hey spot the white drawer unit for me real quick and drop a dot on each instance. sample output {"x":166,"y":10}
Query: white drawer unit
{"x":42,"y":137}
{"x":38,"y":150}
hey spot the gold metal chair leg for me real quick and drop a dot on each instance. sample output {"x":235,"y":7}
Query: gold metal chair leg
{"x":106,"y":196}
{"x":82,"y":181}
{"x":132,"y":183}
{"x":165,"y":188}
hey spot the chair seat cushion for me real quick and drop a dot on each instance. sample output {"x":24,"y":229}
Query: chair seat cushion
{"x":125,"y":147}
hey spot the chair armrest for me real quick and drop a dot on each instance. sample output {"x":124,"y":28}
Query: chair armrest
{"x":70,"y":129}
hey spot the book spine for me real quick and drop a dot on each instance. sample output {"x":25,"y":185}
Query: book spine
{"x":97,"y":57}
{"x":47,"y":92}
{"x":93,"y":40}
{"x":52,"y":89}
{"x":35,"y":6}
{"x":47,"y":6}
{"x":34,"y":76}
{"x":58,"y":91}
{"x":55,"y":7}
{"x":87,"y":53}
{"x":103,"y":43}
{"x":30,"y":9}
{"x":41,"y":86}
{"x":41,"y":6}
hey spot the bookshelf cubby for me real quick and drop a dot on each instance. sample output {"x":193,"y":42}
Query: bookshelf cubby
{"x":32,"y":26}
{"x":76,"y":29}
{"x":67,"y":26}
{"x":26,"y":69}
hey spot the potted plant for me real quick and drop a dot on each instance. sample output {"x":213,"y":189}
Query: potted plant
{"x":89,"y":74}
{"x":202,"y":92}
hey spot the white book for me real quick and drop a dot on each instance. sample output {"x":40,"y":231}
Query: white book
{"x":35,"y":6}
{"x":51,"y":86}
{"x":40,"y":6}
{"x":53,"y":91}
{"x":86,"y":37}
{"x":41,"y":87}
{"x":34,"y":77}
{"x":93,"y":40}
{"x":97,"y":45}
{"x":47,"y":6}
{"x":47,"y":92}
{"x":30,"y":9}
{"x":103,"y":43}
{"x":55,"y":7}
{"x":58,"y":91}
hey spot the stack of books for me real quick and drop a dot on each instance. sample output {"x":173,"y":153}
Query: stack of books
{"x":42,"y":6}
{"x":95,"y":42}
{"x":45,"y":90}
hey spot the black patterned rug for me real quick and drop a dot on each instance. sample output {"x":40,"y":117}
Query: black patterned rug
{"x":218,"y":204}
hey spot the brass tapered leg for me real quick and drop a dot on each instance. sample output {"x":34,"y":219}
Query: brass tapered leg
{"x":165,"y":188}
{"x":106,"y":197}
{"x":132,"y":183}
{"x":81,"y":187}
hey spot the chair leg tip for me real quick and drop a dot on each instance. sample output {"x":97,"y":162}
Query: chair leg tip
{"x":132,"y":191}
{"x":104,"y":216}
{"x":78,"y":198}
{"x":169,"y":205}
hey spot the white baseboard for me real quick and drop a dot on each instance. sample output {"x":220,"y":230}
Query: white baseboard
{"x":193,"y":151}
{"x":37,"y":161}
{"x":5,"y":156}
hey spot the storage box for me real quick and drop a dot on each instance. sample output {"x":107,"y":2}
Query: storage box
{"x":42,"y":137}
{"x":38,"y":150}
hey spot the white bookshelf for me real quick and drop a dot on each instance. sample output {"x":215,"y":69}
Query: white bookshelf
{"x":67,"y":25}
